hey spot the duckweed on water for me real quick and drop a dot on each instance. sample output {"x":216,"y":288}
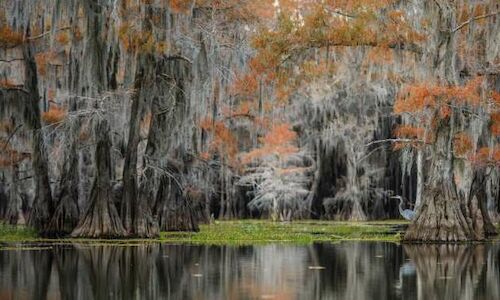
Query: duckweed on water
{"x":242,"y":232}
{"x":301,"y":232}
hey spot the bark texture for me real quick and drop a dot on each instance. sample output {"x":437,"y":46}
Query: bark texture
{"x":173,"y":209}
{"x":66,"y":214}
{"x":446,"y":215}
{"x":101,"y":219}
{"x":14,"y":214}
{"x":43,"y":206}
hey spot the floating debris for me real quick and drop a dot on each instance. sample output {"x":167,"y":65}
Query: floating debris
{"x":316,"y":268}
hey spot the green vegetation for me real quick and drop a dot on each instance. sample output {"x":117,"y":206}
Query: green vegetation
{"x":303,"y":232}
{"x":247,"y":232}
{"x":11,"y":233}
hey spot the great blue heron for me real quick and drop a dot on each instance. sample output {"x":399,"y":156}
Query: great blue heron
{"x":408,"y":214}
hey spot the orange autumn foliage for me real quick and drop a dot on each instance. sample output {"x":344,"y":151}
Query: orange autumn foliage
{"x":54,"y":115}
{"x":62,"y":38}
{"x":9,"y":38}
{"x":462,"y":144}
{"x":410,"y":132}
{"x":42,"y":61}
{"x":245,"y":85}
{"x":417,"y":97}
{"x":487,"y":156}
{"x":5,"y":83}
{"x":278,"y":141}
{"x":223,"y":140}
{"x":414,"y":135}
{"x":495,"y":124}
{"x":180,"y":6}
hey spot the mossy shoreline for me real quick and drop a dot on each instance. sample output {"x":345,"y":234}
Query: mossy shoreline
{"x":243,"y":232}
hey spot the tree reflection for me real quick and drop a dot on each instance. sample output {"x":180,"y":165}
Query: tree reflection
{"x":456,"y":271}
{"x":351,"y":270}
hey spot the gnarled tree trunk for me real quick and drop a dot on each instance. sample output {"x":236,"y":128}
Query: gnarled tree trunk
{"x":136,"y":214}
{"x":101,"y":219}
{"x":445,"y":215}
{"x":172,"y":206}
{"x":66,"y":214}
{"x":43,"y":207}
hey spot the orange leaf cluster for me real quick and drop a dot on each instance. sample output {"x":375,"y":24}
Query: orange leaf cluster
{"x":462,"y":144}
{"x":5,"y":83}
{"x":495,"y":97}
{"x":42,"y":60}
{"x":62,"y":38}
{"x":223,"y":140}
{"x":206,"y":123}
{"x":53,"y":115}
{"x":9,"y":38}
{"x":379,"y":55}
{"x":495,"y":124}
{"x":487,"y":156}
{"x":410,"y":132}
{"x":279,"y":141}
{"x":180,"y":6}
{"x":133,"y":40}
{"x":245,"y":85}
{"x":417,"y":97}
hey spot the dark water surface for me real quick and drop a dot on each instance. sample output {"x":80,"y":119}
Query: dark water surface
{"x":349,"y":270}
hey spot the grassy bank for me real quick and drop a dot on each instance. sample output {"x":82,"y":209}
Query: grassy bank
{"x":247,"y":232}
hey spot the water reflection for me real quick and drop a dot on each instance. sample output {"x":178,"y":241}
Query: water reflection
{"x":322,"y":271}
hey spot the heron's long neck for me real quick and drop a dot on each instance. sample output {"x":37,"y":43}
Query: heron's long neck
{"x":400,"y":204}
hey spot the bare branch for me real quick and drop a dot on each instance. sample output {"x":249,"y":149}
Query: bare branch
{"x":10,"y":136}
{"x":11,"y":60}
{"x":394,"y":141}
{"x":14,"y":88}
{"x":45,"y":33}
{"x":474,"y":19}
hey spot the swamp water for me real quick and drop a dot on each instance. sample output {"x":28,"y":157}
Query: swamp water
{"x":347,"y":270}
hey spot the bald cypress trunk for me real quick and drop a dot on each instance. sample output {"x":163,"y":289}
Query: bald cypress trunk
{"x":135,"y":212}
{"x":101,"y":219}
{"x":172,"y":207}
{"x":446,"y":215}
{"x":43,"y":206}
{"x":15,"y":215}
{"x":66,"y":213}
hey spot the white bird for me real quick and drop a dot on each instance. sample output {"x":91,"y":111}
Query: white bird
{"x":408,"y":214}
